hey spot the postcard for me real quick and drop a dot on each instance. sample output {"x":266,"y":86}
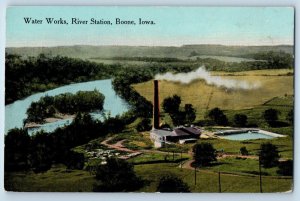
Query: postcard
{"x":149,"y":99}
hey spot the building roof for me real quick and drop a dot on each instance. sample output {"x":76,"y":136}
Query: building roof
{"x":179,"y":131}
{"x":161,"y":132}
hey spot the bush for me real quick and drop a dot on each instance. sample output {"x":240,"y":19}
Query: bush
{"x":244,"y":151}
{"x":271,"y":116}
{"x":172,"y":184}
{"x":204,"y":154}
{"x":240,"y":120}
{"x":285,"y":168}
{"x":268,"y":155}
{"x":144,"y":125}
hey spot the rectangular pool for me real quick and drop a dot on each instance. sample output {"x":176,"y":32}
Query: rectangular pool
{"x":246,"y":136}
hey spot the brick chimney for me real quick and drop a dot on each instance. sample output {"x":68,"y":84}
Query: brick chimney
{"x":156,"y":105}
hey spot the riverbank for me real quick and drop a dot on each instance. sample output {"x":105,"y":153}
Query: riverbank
{"x":57,"y":117}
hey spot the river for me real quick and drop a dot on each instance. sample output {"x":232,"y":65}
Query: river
{"x":15,"y":112}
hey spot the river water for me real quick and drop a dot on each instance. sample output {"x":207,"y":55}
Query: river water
{"x":15,"y":113}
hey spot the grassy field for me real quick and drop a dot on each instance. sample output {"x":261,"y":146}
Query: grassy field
{"x":57,"y":179}
{"x":204,"y":97}
{"x":208,"y":182}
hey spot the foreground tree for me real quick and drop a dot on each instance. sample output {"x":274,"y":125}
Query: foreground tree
{"x":116,"y":176}
{"x":41,"y":154}
{"x":268,"y":155}
{"x":240,"y":120}
{"x":16,"y":152}
{"x":172,"y":184}
{"x":204,"y":154}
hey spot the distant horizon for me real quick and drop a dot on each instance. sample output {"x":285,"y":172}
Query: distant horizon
{"x":149,"y":45}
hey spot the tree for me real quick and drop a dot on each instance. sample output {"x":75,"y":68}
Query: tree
{"x":244,"y":151}
{"x":204,"y":154}
{"x":41,"y":155}
{"x":268,"y":155}
{"x":290,"y":116}
{"x":271,"y":116}
{"x":17,"y":144}
{"x":218,"y":116}
{"x":116,"y":176}
{"x":171,"y":104}
{"x":190,"y":113}
{"x":240,"y":120}
{"x":144,"y":125}
{"x":172,"y":184}
{"x":285,"y":168}
{"x":74,"y":160}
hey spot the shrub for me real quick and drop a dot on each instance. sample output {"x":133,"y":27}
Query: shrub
{"x":172,"y":184}
{"x":116,"y":176}
{"x":144,"y":125}
{"x":240,"y":120}
{"x":285,"y":168}
{"x":244,"y":151}
{"x":271,"y":116}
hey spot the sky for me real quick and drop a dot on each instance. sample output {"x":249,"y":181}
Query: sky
{"x":174,"y":26}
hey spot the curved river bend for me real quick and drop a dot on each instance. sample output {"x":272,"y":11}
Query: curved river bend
{"x":15,"y":113}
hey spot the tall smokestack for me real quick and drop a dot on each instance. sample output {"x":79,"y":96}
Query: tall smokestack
{"x":156,"y":105}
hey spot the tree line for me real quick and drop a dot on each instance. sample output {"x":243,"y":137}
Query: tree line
{"x":263,"y":60}
{"x":67,"y":103}
{"x":24,"y":77}
{"x":40,"y":151}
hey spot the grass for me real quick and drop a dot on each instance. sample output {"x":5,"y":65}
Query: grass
{"x":208,"y":182}
{"x":56,"y":179}
{"x":149,"y":158}
{"x":240,"y":166}
{"x":285,"y":145}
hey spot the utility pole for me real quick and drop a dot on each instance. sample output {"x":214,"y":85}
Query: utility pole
{"x":181,"y":159}
{"x":260,"y":182}
{"x":195,"y":175}
{"x":220,"y":190}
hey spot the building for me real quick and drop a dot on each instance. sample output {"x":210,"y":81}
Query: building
{"x":181,"y":134}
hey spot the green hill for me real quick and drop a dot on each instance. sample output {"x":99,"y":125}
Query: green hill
{"x":87,"y":51}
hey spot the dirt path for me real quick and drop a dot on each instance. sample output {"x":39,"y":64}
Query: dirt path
{"x":187,"y":164}
{"x":118,"y":146}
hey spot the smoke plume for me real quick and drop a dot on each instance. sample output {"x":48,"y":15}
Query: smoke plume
{"x":203,"y":74}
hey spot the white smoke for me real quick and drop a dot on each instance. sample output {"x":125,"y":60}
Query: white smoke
{"x":202,"y":73}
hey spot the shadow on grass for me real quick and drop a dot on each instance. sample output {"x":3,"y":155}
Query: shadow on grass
{"x":214,"y":164}
{"x":256,"y":173}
